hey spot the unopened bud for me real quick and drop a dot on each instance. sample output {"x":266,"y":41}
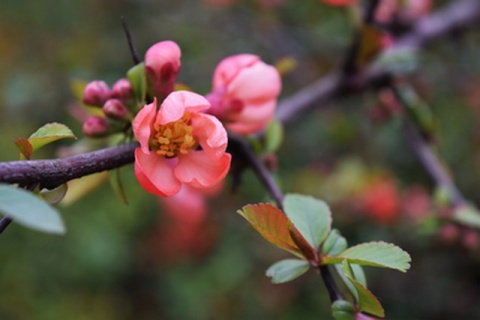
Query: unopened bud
{"x":115,"y":109}
{"x":162,"y":63}
{"x":122,"y":90}
{"x":96,"y":93}
{"x":95,"y":127}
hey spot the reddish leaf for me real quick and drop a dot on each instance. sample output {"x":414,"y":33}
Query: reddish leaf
{"x":24,"y":146}
{"x":308,"y":251}
{"x":272,"y":224}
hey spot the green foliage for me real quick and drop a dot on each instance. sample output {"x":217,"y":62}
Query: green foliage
{"x":343,"y":310}
{"x":138,"y":81}
{"x":286,"y":270}
{"x":308,"y":226}
{"x":310,"y":216}
{"x":366,"y":300}
{"x":30,"y":211}
{"x":273,"y":136}
{"x":334,"y":244}
{"x":467,"y":215}
{"x":376,"y":254}
{"x":46,"y":134}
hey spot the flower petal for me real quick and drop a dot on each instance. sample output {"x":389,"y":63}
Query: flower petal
{"x":259,"y":82}
{"x":154,"y":174}
{"x":253,"y":118}
{"x":142,"y":124}
{"x":177,"y":103}
{"x":229,"y":67}
{"x":200,"y":171}
{"x":210,"y":134}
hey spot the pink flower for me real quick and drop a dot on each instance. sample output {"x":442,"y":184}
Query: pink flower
{"x":162,"y":62}
{"x":179,"y":144}
{"x":244,"y":94}
{"x":189,"y":205}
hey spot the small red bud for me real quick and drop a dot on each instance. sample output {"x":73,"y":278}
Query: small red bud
{"x":95,"y":127}
{"x":115,"y":109}
{"x":122,"y":90}
{"x":96,"y":93}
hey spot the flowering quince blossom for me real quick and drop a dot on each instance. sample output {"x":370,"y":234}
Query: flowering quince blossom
{"x":244,"y":93}
{"x":179,"y":144}
{"x":162,"y":63}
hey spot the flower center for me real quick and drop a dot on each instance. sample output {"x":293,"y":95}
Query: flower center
{"x":173,"y":138}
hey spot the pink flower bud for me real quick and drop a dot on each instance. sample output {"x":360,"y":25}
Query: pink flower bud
{"x":95,"y":127}
{"x":96,"y":93}
{"x":244,"y":94}
{"x":162,"y":62}
{"x":122,"y":90}
{"x":115,"y":109}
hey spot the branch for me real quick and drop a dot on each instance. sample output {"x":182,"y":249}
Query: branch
{"x":240,"y":147}
{"x":457,"y":16}
{"x":52,"y":173}
{"x":55,"y":172}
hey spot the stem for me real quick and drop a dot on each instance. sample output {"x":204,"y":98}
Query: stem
{"x":242,"y":148}
{"x":456,"y":16}
{"x":433,"y":164}
{"x":133,"y":51}
{"x":55,"y":172}
{"x":4,"y":223}
{"x":332,"y":289}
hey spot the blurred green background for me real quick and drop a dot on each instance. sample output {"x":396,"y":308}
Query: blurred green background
{"x":124,"y":261}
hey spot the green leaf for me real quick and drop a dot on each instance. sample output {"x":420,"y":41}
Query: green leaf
{"x":334,"y":244}
{"x":467,"y":215}
{"x":367,"y":301}
{"x":310,"y":216}
{"x":286,"y":270}
{"x":49,"y":133}
{"x":273,"y":136}
{"x":377,"y":254}
{"x":55,"y":195}
{"x":272,"y":224}
{"x":138,"y":81}
{"x":343,"y":310}
{"x":29,"y":210}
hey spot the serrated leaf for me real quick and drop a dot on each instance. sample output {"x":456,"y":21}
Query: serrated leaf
{"x":310,"y":216}
{"x":376,"y":254}
{"x":367,"y":302}
{"x":272,"y":224}
{"x":138,"y":81}
{"x":49,"y":133}
{"x":467,"y":215}
{"x":273,"y":136}
{"x":286,"y":270}
{"x":29,"y":210}
{"x":334,"y":244}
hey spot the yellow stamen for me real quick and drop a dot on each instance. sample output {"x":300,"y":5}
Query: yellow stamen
{"x":173,"y":138}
